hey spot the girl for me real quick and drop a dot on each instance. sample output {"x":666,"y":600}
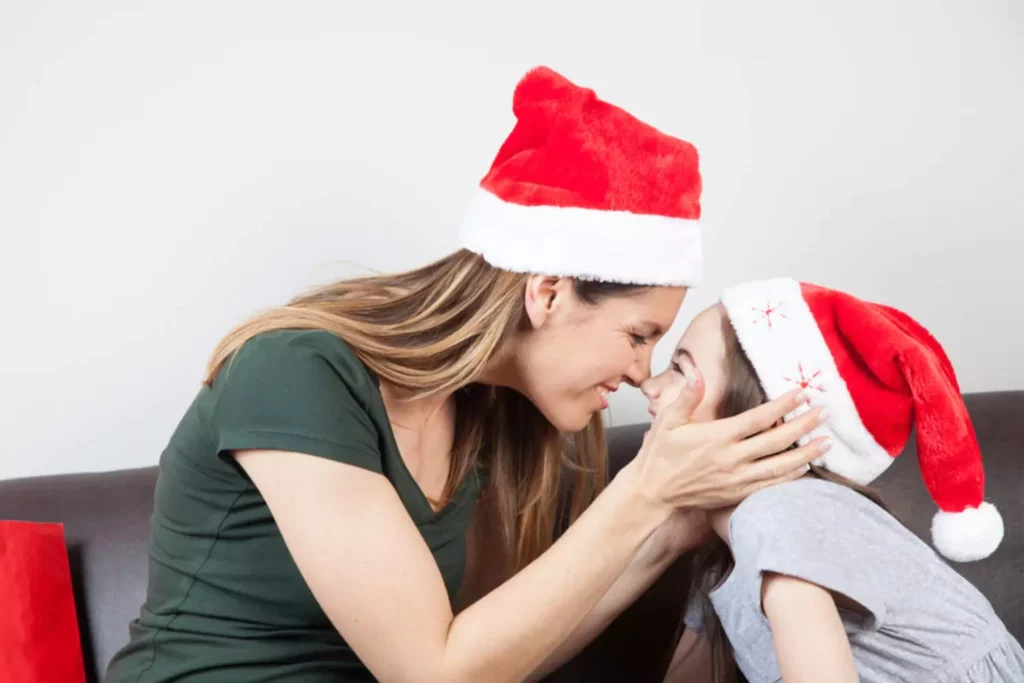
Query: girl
{"x":365,"y":488}
{"x":813,"y":580}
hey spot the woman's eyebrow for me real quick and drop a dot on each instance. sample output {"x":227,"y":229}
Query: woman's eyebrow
{"x":652,"y":329}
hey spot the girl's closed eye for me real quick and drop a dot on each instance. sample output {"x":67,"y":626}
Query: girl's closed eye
{"x":683,"y":364}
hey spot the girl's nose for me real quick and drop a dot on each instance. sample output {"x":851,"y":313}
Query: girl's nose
{"x":649,"y":389}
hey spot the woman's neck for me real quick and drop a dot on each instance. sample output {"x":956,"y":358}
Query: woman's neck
{"x":424,"y":431}
{"x":413,"y":415}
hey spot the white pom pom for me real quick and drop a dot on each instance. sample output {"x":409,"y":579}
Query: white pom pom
{"x":970,"y":535}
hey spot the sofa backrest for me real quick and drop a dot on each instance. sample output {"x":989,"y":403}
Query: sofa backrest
{"x":106,"y":518}
{"x":106,"y":523}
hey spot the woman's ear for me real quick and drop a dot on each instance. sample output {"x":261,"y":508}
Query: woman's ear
{"x":544,"y":293}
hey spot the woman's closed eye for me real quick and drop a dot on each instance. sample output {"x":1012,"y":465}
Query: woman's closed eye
{"x":637,"y":339}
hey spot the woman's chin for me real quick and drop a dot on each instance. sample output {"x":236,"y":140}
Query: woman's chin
{"x":574,"y":423}
{"x":566,"y":416}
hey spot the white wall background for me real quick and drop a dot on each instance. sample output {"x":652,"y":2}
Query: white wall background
{"x":167,"y":168}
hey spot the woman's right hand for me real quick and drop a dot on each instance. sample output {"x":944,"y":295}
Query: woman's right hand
{"x":714,"y":464}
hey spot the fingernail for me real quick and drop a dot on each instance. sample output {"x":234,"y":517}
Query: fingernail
{"x":824,"y":415}
{"x":691,"y":379}
{"x":826,"y":445}
{"x":805,"y":469}
{"x":803,"y":397}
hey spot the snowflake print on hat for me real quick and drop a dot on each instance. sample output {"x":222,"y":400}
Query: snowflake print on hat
{"x":805,"y":382}
{"x":768,"y":311}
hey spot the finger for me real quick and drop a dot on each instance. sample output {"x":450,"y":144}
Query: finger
{"x":680,"y":411}
{"x":759,"y":419}
{"x":787,"y":464}
{"x":755,"y":486}
{"x":779,"y":438}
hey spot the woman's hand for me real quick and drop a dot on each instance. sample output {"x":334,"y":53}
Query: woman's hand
{"x":714,"y":464}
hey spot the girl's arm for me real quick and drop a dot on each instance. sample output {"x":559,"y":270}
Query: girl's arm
{"x":810,"y":641}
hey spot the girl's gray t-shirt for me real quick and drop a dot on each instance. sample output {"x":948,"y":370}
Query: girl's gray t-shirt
{"x":925,"y":622}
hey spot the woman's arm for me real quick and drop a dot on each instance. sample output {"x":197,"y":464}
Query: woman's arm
{"x":810,"y":642}
{"x":375,"y":578}
{"x":373,"y":575}
{"x":683,"y":531}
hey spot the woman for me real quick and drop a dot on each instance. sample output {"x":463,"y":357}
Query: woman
{"x":814,"y":580}
{"x":381,"y":449}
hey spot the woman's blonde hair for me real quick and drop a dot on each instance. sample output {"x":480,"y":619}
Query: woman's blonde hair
{"x":431,"y":331}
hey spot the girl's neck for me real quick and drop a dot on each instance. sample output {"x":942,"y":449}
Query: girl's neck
{"x":719,"y":520}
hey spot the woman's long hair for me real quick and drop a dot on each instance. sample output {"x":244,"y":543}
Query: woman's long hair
{"x":712,"y":562}
{"x":431,"y":331}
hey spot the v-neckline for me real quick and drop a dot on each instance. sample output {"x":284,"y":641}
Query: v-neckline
{"x":424,"y":513}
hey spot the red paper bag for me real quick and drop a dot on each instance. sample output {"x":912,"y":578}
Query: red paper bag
{"x":39,"y":641}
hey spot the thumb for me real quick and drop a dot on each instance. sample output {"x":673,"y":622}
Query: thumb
{"x":681,"y":410}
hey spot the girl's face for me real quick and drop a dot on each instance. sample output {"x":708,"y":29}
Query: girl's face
{"x":702,"y":346}
{"x":575,"y":353}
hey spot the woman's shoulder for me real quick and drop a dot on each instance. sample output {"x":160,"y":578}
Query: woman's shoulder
{"x":299,"y":391}
{"x":283,"y":343}
{"x":299,"y":352}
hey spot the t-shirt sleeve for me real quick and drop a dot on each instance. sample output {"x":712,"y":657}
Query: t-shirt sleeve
{"x":296,"y":391}
{"x":820,"y":532}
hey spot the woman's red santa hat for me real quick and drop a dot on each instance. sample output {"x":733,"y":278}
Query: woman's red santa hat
{"x":878,"y":372}
{"x":582,"y":188}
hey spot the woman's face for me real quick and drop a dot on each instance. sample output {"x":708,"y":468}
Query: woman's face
{"x":575,"y":354}
{"x":701,"y":346}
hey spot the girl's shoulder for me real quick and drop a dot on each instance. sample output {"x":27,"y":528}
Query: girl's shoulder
{"x":814,"y":521}
{"x":810,"y":496}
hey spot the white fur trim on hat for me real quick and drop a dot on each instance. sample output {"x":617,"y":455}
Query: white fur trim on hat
{"x":970,"y":535}
{"x":590,"y":244}
{"x":778,"y":332}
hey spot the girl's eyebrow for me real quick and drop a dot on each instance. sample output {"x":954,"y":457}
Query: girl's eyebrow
{"x":683,"y":352}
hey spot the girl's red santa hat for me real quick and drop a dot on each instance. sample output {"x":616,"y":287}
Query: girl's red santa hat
{"x":878,"y":372}
{"x":583,"y":189}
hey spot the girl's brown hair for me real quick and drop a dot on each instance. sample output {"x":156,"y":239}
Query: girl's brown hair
{"x":712,"y":562}
{"x":430,"y":331}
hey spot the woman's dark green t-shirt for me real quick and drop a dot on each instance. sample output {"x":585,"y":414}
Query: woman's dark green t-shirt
{"x":225,"y":600}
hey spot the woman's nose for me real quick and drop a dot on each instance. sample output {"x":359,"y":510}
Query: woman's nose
{"x":638,"y":374}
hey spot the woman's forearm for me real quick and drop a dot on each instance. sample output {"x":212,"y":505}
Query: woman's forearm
{"x":535,"y":612}
{"x":645,"y":568}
